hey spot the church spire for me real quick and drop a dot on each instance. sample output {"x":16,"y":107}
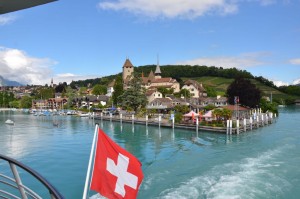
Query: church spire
{"x":157,"y":70}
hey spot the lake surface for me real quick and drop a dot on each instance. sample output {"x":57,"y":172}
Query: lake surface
{"x":263,"y":163}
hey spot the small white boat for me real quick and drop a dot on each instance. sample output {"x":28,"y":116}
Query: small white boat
{"x":84,"y":114}
{"x":10,"y":122}
{"x":281,"y":105}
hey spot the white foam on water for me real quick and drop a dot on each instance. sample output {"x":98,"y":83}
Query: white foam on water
{"x":248,"y":178}
{"x":97,"y":196}
{"x":153,"y":178}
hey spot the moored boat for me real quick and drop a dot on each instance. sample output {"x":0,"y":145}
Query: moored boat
{"x":10,"y":122}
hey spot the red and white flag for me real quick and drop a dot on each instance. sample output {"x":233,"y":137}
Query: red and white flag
{"x":117,"y":173}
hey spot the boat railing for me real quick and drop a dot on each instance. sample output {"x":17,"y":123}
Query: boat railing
{"x":14,"y":188}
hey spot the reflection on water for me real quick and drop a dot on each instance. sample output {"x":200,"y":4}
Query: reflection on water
{"x":177,"y":163}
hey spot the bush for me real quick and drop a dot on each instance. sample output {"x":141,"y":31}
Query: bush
{"x":178,"y":117}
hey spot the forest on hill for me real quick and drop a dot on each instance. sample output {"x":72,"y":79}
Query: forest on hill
{"x":182,"y":72}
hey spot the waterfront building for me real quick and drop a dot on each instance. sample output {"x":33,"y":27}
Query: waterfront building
{"x":160,"y":104}
{"x":195,"y":88}
{"x":56,"y":103}
{"x":39,"y":104}
{"x":216,"y":101}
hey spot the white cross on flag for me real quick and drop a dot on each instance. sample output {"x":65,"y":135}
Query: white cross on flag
{"x":117,"y":173}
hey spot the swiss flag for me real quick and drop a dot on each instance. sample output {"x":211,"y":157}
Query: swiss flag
{"x":117,"y":173}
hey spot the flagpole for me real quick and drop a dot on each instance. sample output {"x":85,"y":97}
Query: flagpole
{"x":90,"y":163}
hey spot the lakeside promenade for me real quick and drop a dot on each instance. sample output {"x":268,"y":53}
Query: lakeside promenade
{"x":232,"y":127}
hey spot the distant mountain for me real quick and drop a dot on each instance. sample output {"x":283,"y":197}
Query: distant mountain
{"x":5,"y":82}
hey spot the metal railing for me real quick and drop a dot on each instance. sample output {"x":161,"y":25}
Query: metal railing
{"x":15,"y":183}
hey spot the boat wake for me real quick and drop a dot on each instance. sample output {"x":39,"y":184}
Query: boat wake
{"x":97,"y":196}
{"x":257,"y":177}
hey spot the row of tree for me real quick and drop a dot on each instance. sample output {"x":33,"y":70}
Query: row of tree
{"x":6,"y":98}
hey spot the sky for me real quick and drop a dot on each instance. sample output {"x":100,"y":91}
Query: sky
{"x":74,"y":39}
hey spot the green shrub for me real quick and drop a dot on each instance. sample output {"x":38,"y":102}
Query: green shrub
{"x":178,"y":117}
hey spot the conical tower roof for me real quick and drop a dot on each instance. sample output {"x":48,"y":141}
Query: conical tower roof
{"x":151,"y":75}
{"x":157,"y":70}
{"x":127,"y":64}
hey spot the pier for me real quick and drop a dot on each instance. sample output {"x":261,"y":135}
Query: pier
{"x":232,"y":126}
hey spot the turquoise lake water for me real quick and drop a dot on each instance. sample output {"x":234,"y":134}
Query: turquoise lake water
{"x":263,"y":163}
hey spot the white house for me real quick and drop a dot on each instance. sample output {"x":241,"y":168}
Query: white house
{"x":153,"y":94}
{"x":196,"y":89}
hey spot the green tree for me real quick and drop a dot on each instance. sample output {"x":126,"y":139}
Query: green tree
{"x":14,"y":104}
{"x":118,"y":91}
{"x":183,"y":93}
{"x":70,"y":93}
{"x":210,"y":107}
{"x":26,"y":102}
{"x":6,"y":98}
{"x":247,"y":92}
{"x":222,"y":113}
{"x":268,"y":106}
{"x":181,"y":109}
{"x":178,"y":117}
{"x":134,"y":97}
{"x":45,"y":93}
{"x":211,"y":92}
{"x":82,"y":90}
{"x":99,"y":89}
{"x":1,"y":99}
{"x":291,"y":89}
{"x":60,"y":88}
{"x":164,"y":91}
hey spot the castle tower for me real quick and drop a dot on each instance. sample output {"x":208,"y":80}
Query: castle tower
{"x":157,"y":70}
{"x":127,"y":69}
{"x":51,"y":85}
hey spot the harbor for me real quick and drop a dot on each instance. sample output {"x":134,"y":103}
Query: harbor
{"x":175,"y":161}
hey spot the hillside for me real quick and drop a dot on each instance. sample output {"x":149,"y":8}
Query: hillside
{"x":220,"y":84}
{"x":216,"y":77}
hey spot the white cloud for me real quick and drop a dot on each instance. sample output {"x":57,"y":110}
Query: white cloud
{"x":7,"y":19}
{"x":18,"y":66}
{"x":172,"y":8}
{"x":280,"y":83}
{"x":297,"y":81}
{"x":295,"y":61}
{"x":242,"y":61}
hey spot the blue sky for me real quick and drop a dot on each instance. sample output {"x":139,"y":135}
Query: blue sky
{"x":71,"y":39}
